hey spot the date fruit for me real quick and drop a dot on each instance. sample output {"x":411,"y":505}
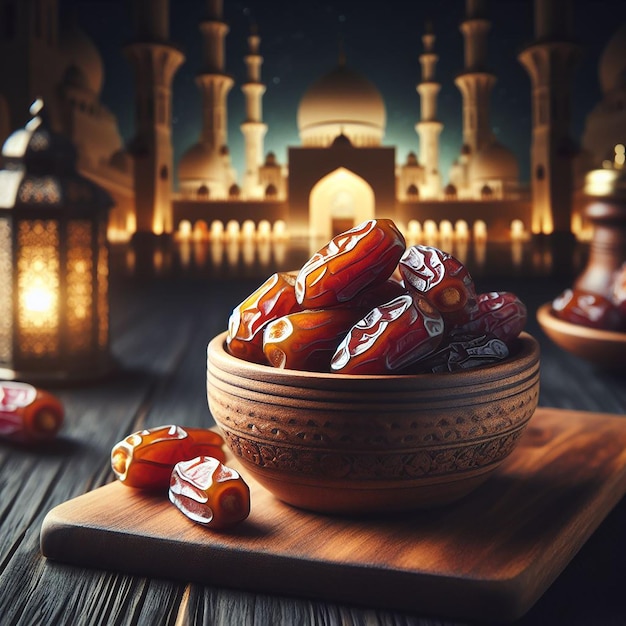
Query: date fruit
{"x":460,"y":352}
{"x":390,"y":337}
{"x":353,"y":260}
{"x":442,"y":279}
{"x":586,"y":309}
{"x":500,"y":313}
{"x":28,"y":414}
{"x":146,"y":458}
{"x":307,"y":340}
{"x":273,"y":299}
{"x":209,"y":493}
{"x":378,"y":294}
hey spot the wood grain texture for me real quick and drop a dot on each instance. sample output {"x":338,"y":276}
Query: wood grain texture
{"x":488,"y":557}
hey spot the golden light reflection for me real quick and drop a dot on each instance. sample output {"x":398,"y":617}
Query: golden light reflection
{"x":517,"y":253}
{"x":232,"y":252}
{"x":431,"y":232}
{"x":265,"y":252}
{"x":248,"y":252}
{"x":461,"y":247}
{"x":280,"y":253}
{"x":480,"y":252}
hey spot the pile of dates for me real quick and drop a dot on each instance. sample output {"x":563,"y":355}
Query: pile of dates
{"x":603,"y":311}
{"x":367,"y":304}
{"x":188,"y":463}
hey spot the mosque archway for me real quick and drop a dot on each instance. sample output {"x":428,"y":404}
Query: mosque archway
{"x":339,"y":201}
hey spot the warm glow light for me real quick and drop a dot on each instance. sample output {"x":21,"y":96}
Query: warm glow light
{"x":620,"y":155}
{"x":461,"y":230}
{"x":279,"y":230}
{"x":264,"y":230}
{"x":39,"y":299}
{"x":430,"y":231}
{"x":600,"y":182}
{"x":217,"y":230}
{"x":232,"y":230}
{"x":184,"y":229}
{"x":340,"y":196}
{"x":517,"y":230}
{"x":248,"y":230}
{"x":200,"y":231}
{"x":445,"y":230}
{"x":480,"y":230}
{"x":415,"y":228}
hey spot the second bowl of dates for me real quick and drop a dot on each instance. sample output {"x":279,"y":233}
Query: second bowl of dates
{"x":601,"y":347}
{"x":355,"y":444}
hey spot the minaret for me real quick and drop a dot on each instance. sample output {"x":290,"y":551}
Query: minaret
{"x":213,"y":82}
{"x":476,"y":82}
{"x":429,"y":128}
{"x":549,"y":60}
{"x":253,"y":128}
{"x":155,"y":61}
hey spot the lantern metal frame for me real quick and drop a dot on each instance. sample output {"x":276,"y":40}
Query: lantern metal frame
{"x":54,"y":267}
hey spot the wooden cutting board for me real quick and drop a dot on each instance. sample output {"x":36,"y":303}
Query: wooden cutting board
{"x":488,"y":557}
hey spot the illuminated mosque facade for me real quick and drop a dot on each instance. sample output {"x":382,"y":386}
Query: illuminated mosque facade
{"x":342,"y":172}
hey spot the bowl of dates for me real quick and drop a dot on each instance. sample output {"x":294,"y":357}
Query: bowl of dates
{"x":587,"y":325}
{"x":374,"y":379}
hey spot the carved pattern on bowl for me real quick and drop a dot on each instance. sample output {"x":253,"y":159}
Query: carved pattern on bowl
{"x":384,"y":432}
{"x":375,"y":465}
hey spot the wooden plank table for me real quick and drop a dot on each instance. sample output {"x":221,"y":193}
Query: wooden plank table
{"x":160,"y":328}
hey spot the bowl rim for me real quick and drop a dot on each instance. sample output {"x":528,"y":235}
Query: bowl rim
{"x":527,"y":355}
{"x":547,"y":319}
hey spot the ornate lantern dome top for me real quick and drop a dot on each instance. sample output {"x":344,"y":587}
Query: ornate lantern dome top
{"x":41,"y":171}
{"x":39,"y":149}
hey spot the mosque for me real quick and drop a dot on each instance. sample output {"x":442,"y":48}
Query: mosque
{"x":342,"y":172}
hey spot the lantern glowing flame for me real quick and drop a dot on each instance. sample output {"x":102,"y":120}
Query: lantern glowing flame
{"x":39,"y":300}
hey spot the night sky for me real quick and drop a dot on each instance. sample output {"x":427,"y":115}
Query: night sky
{"x":300,"y":42}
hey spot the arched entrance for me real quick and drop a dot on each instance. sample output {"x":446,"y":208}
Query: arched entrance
{"x":338,"y":202}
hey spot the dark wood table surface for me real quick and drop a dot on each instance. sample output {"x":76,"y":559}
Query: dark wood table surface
{"x":161,"y":322}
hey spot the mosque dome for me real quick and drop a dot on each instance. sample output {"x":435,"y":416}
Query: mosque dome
{"x":201,"y":163}
{"x":342,"y":102}
{"x":612,"y":66}
{"x":80,"y":52}
{"x":494,"y":162}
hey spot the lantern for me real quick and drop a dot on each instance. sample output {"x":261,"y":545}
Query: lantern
{"x":54,"y":308}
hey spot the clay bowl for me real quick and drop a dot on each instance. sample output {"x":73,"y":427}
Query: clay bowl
{"x":603,"y":348}
{"x":346,"y":444}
